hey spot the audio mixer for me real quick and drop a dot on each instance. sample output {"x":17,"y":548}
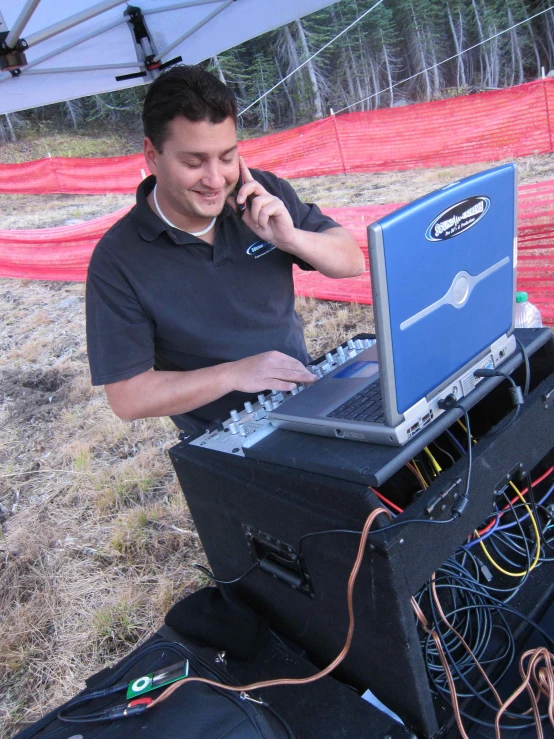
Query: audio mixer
{"x":246,"y":427}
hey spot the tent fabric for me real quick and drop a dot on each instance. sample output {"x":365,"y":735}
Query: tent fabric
{"x":85,"y":58}
{"x":63,"y":253}
{"x":489,"y":126}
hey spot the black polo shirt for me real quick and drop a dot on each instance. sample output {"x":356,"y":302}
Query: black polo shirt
{"x":160,"y":298}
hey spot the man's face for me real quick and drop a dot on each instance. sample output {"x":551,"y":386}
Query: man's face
{"x":198,"y":166}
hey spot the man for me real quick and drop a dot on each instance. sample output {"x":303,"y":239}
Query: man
{"x":184,"y":286}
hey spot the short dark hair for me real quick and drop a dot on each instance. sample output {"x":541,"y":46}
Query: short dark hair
{"x":188,"y":91}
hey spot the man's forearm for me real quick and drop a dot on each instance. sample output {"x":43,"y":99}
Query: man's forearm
{"x":334,"y":253}
{"x":167,"y":393}
{"x":172,"y":393}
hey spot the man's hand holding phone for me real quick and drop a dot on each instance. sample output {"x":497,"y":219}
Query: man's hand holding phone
{"x":262,"y":212}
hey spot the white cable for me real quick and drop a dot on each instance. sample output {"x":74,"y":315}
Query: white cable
{"x":312,"y":57}
{"x":490,"y":38}
{"x":166,"y":219}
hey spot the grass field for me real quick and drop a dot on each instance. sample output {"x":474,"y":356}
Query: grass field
{"x":96,"y":542}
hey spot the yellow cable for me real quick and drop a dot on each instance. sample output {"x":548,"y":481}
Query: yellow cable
{"x":434,"y":462}
{"x":464,"y":428}
{"x":425,"y":486}
{"x":537,"y":553}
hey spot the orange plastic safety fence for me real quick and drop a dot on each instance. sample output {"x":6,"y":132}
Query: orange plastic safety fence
{"x":64,"y":253}
{"x":485,"y":127}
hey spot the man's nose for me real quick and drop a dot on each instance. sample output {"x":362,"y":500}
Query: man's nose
{"x":212,"y":176}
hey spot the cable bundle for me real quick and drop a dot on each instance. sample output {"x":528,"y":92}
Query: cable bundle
{"x":467,"y":624}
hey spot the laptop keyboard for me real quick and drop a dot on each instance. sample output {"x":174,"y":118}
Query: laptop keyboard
{"x":367,"y":405}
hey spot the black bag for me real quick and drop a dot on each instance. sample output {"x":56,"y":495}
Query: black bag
{"x":193,"y":711}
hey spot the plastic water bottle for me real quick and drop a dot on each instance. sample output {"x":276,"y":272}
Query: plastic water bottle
{"x":527,"y":315}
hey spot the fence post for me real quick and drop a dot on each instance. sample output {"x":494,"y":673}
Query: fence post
{"x":547,"y":109}
{"x":338,"y":140}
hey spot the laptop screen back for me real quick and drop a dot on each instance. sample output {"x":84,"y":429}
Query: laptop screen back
{"x":443,"y":275}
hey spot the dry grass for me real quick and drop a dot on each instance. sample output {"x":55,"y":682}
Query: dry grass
{"x":96,"y":541}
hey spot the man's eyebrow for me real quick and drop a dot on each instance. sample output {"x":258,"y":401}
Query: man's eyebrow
{"x":203,"y":155}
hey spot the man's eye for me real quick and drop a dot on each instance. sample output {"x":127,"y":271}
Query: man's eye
{"x":192,"y":165}
{"x":228,"y":161}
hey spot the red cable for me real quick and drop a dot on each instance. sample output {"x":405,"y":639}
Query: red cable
{"x":514,"y":500}
{"x":388,"y":502}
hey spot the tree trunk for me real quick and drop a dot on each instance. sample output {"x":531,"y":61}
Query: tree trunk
{"x":311,"y":71}
{"x":217,"y":65}
{"x":460,"y":75}
{"x":486,"y":82}
{"x":389,"y":75}
{"x":12,"y":136}
{"x":294,"y":61}
{"x":420,"y":43}
{"x":516,"y":50}
{"x":435,"y":72}
{"x":287,"y":92}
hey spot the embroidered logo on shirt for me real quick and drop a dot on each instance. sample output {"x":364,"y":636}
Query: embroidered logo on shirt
{"x":259,"y":248}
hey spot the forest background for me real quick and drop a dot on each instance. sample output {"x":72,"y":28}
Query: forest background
{"x":388,"y":58}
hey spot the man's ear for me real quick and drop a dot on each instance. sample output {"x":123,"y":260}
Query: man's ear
{"x":151,"y":155}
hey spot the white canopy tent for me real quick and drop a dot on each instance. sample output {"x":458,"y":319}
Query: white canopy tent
{"x":51,"y":50}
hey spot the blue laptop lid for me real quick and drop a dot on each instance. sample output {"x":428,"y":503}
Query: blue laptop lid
{"x":443,"y":275}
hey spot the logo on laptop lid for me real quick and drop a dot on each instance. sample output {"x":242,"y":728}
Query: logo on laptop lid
{"x":458,"y":218}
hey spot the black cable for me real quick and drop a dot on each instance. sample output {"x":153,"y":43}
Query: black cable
{"x":459,"y":506}
{"x":523,"y":350}
{"x":453,"y":578}
{"x":515,"y":393}
{"x":210,"y":574}
{"x":375,"y":531}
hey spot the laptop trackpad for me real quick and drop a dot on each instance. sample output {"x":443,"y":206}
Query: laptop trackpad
{"x":356,"y":370}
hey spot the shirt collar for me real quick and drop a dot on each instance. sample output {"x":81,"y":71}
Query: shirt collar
{"x":151,"y":226}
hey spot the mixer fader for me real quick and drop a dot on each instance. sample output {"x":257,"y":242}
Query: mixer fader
{"x":246,"y":427}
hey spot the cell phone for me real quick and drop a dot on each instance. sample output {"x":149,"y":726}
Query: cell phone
{"x":241,"y":207}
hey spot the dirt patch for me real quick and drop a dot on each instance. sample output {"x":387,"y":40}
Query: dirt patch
{"x":32,"y":395}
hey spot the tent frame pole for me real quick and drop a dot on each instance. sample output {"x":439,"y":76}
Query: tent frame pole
{"x":193,"y":30}
{"x":90,"y":68}
{"x":179,"y":6}
{"x":13,"y":36}
{"x":68,"y":46}
{"x":72,"y":21}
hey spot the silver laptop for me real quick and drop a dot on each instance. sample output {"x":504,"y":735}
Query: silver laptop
{"x":443,"y":274}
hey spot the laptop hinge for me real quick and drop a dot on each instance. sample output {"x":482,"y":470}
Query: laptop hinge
{"x":416,"y":411}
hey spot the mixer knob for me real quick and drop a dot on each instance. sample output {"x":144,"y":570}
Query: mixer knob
{"x":233,"y":428}
{"x":359,"y":344}
{"x":248,"y":406}
{"x":294,"y":391}
{"x":278,"y":397}
{"x":268,"y":405}
{"x":341,"y":360}
{"x":261,"y":398}
{"x":350,"y":344}
{"x":329,"y":357}
{"x":260,"y":414}
{"x":242,"y":429}
{"x":340,"y":351}
{"x":318,"y":372}
{"x":325,"y":368}
{"x":234,"y":415}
